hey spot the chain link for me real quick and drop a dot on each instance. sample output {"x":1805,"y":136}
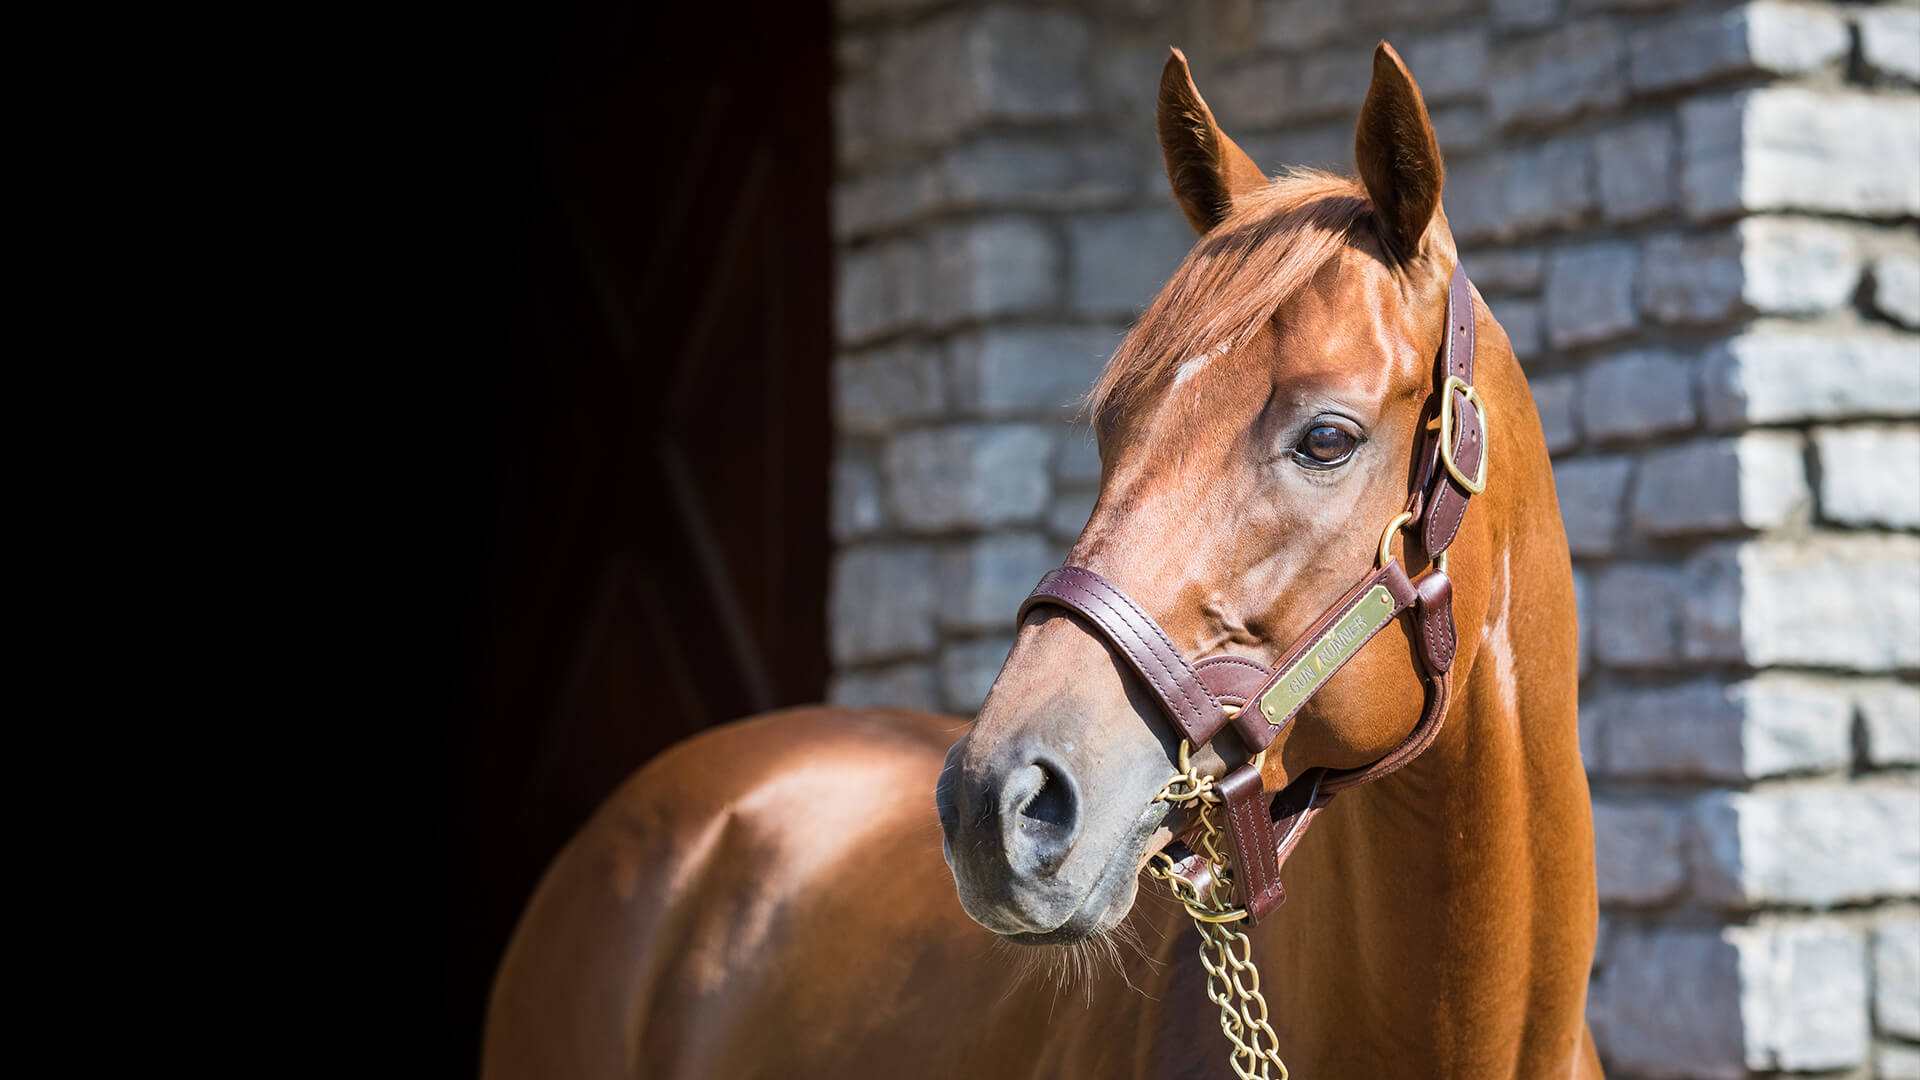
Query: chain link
{"x":1233,"y":982}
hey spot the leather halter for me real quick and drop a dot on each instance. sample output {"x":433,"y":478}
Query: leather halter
{"x":1202,"y":699}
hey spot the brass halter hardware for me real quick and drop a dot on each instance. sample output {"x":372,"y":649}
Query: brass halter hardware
{"x":1400,"y":522}
{"x":1386,"y":538}
{"x":1478,"y":483}
{"x":1226,"y":952}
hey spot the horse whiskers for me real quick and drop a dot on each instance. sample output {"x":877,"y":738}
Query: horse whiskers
{"x":1128,"y":934}
{"x":1159,"y":900}
{"x":1080,"y":963}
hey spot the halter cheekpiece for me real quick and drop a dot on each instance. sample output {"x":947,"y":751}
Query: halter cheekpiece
{"x":1202,"y":699}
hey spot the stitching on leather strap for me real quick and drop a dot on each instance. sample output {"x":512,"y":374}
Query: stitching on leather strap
{"x":1183,"y":698}
{"x":1066,"y":585}
{"x":1148,"y":620}
{"x":1232,"y":661}
{"x":1252,"y":849}
{"x":1428,"y":622}
{"x":1113,"y":626}
{"x":1251,"y":855}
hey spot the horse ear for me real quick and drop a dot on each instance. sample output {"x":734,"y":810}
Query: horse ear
{"x":1206,"y":169}
{"x":1398,"y":157}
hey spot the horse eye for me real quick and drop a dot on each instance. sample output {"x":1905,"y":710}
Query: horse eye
{"x":1325,"y":444}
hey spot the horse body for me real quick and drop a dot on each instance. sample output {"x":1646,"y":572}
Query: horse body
{"x":777,"y":898}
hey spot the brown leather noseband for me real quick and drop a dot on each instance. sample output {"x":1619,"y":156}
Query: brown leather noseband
{"x":1203,"y":698}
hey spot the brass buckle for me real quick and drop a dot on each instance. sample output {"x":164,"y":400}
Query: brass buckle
{"x":1454,"y":382}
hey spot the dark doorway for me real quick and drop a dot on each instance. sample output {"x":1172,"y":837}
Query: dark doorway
{"x":655,"y":554}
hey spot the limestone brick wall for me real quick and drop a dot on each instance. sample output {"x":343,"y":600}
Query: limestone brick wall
{"x":1700,"y":225}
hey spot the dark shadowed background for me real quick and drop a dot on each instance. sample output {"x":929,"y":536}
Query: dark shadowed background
{"x":649,"y":547}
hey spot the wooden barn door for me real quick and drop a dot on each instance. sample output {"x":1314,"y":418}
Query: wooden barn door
{"x":656,"y":560}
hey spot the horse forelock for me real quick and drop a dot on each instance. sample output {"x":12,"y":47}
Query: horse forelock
{"x":1233,"y":281}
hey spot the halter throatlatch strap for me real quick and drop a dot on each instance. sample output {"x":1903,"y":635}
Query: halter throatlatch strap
{"x":1199,"y":697}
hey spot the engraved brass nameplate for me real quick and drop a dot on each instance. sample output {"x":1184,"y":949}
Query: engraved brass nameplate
{"x":1327,"y":654}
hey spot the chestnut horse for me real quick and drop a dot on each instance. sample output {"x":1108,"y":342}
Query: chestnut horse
{"x":769,"y":899}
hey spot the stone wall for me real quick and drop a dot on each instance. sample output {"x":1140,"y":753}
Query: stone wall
{"x":1697,"y":223}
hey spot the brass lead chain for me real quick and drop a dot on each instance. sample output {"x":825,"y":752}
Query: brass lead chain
{"x":1233,"y":982}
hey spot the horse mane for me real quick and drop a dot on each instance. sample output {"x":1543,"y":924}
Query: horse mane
{"x":1234,"y":279}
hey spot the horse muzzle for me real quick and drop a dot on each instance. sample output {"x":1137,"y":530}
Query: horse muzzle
{"x":1028,"y":861}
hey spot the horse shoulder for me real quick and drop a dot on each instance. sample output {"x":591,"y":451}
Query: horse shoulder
{"x":722,"y":878}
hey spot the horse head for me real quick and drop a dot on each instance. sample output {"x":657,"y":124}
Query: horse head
{"x":1258,"y":429}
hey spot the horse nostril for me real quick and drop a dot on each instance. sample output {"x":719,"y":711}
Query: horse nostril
{"x":1053,"y":803}
{"x":1042,"y":805}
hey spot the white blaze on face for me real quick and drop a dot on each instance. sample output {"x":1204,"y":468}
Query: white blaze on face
{"x":1198,"y":364}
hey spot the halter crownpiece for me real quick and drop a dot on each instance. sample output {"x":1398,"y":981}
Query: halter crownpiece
{"x":1258,"y":702}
